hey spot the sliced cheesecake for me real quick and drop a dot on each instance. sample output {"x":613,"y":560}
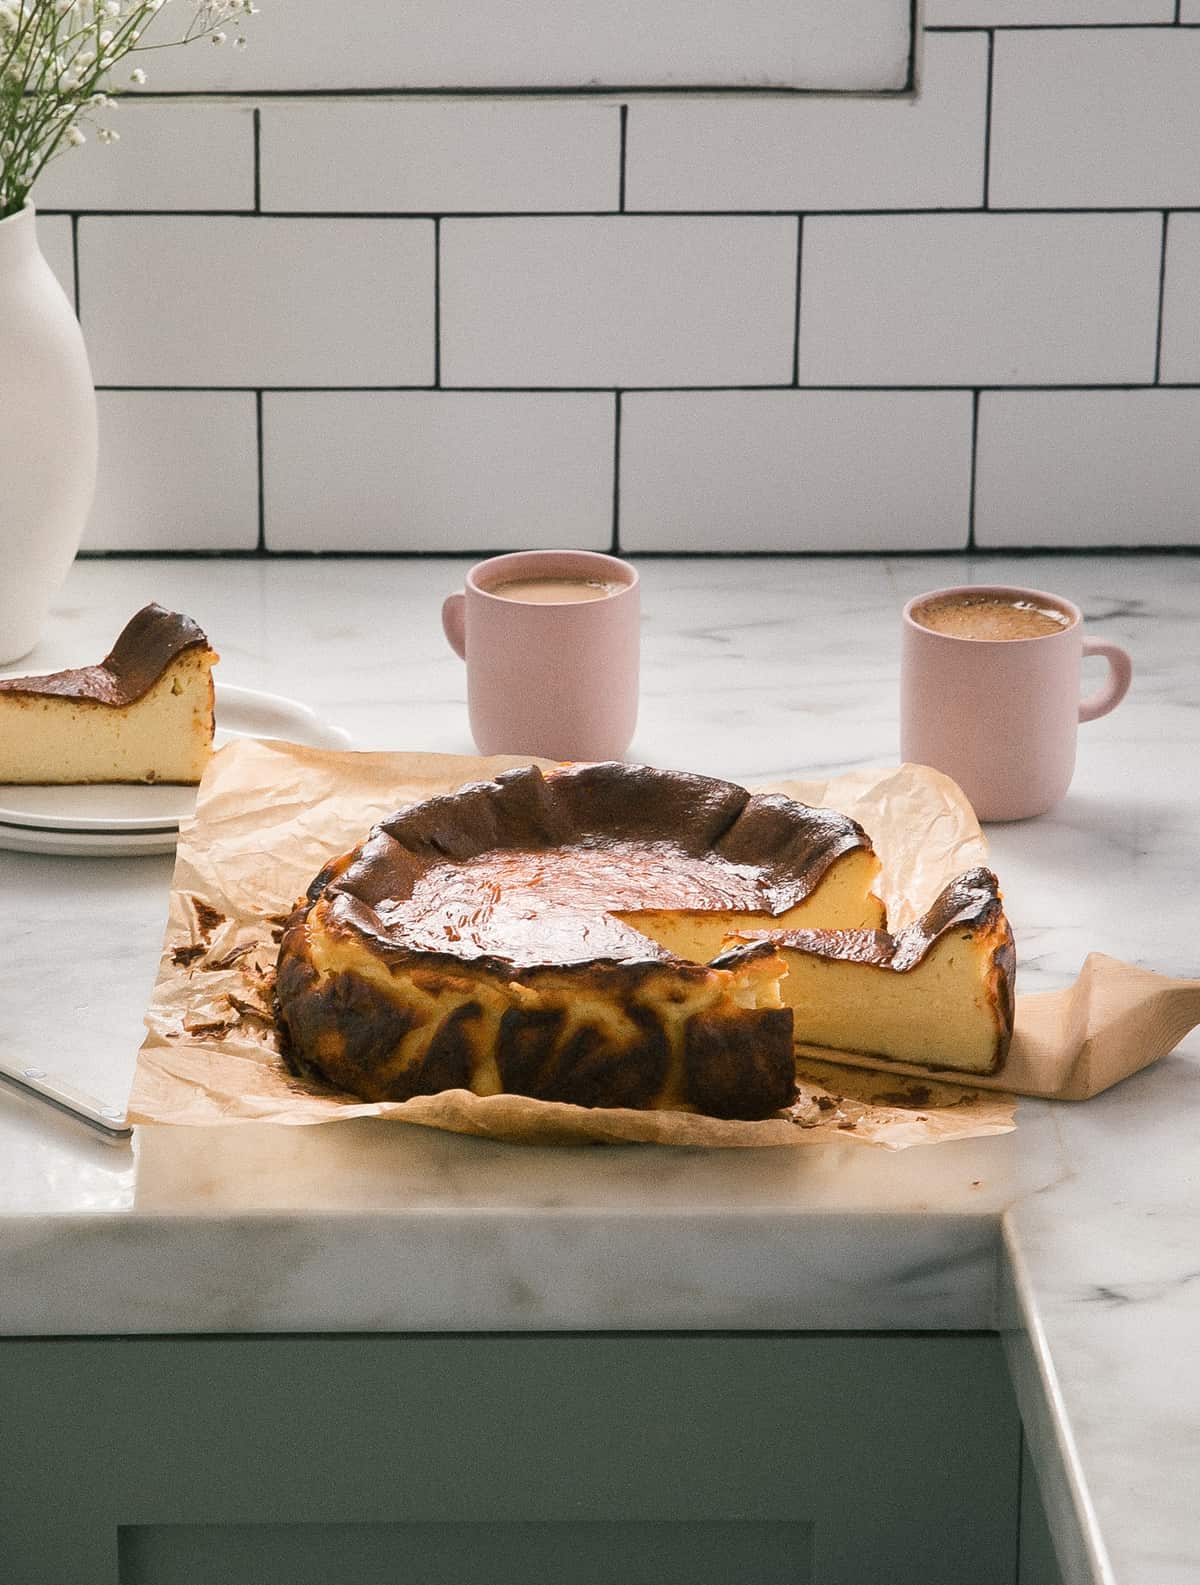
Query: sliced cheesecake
{"x":144,"y":714}
{"x":937,"y":994}
{"x":548,"y":935}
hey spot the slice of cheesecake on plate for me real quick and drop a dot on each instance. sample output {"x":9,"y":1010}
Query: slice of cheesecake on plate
{"x":144,"y":714}
{"x":937,"y":994}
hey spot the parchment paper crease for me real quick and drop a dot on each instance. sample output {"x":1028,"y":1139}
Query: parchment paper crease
{"x":270,"y":814}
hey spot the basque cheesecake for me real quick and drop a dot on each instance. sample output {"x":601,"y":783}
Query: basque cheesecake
{"x":937,"y":994}
{"x":549,"y":934}
{"x":144,"y":714}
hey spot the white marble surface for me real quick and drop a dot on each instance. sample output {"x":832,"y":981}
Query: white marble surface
{"x":1079,"y":1234}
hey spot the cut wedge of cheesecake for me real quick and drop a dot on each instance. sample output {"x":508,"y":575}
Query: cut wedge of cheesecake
{"x":547,"y":935}
{"x":144,"y":714}
{"x":937,"y":994}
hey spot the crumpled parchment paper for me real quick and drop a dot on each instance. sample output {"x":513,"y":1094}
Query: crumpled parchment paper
{"x":270,"y":814}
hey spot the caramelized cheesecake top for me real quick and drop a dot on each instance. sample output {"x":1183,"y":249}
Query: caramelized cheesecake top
{"x":148,"y":644}
{"x":528,"y":871}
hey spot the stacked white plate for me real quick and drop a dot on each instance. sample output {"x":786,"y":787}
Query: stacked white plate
{"x":117,"y":820}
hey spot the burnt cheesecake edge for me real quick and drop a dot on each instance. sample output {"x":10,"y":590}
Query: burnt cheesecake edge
{"x":792,"y":844}
{"x":149,"y":643}
{"x":684,"y":1041}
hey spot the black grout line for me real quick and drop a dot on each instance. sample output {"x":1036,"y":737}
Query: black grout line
{"x":478,"y":551}
{"x":682,"y":390}
{"x":75,"y":261}
{"x":624,"y":151}
{"x":796,"y":321}
{"x":437,"y":302}
{"x":1178,"y":13}
{"x":257,"y":124}
{"x":261,"y":546}
{"x":617,"y":214}
{"x":1162,"y":292}
{"x":974,"y":469}
{"x":987,"y":121}
{"x":615,"y":547}
{"x":589,"y":91}
{"x":1056,"y":27}
{"x":914,"y":34}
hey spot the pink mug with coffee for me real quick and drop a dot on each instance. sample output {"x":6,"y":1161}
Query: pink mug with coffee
{"x":989,"y":693}
{"x":551,"y":641}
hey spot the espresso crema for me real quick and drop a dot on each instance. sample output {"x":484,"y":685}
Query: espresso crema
{"x":555,"y":591}
{"x":990,"y":617}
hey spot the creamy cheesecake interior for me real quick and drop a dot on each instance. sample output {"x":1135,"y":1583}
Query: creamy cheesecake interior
{"x":144,"y":714}
{"x":164,"y":737}
{"x":843,"y":901}
{"x":938,"y":994}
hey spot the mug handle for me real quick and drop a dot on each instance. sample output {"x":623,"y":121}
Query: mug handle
{"x":1120,"y":675}
{"x":454,"y":609}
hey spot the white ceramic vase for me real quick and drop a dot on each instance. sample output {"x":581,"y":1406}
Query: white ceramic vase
{"x":47,"y":436}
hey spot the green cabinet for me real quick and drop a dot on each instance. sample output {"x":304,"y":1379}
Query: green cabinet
{"x":614,"y":1459}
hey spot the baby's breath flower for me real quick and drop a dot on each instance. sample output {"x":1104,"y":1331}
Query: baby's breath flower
{"x":57,"y":58}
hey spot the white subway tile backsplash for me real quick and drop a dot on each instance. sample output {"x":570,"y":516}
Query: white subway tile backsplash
{"x":819,"y":153}
{"x":628,"y":300}
{"x":1108,"y":118}
{"x":172,"y":155}
{"x":178,"y":471}
{"x":499,"y":44}
{"x":1181,"y":300}
{"x":440,"y":157}
{"x":795,"y":470}
{"x":449,"y":385}
{"x":1045,"y":13}
{"x":437,"y":471}
{"x":979,"y":299}
{"x":58,"y":250}
{"x":1079,"y":468}
{"x":174,"y":300}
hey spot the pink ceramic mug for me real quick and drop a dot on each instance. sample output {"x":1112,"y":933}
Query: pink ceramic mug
{"x":557,"y":680}
{"x":999,"y":716}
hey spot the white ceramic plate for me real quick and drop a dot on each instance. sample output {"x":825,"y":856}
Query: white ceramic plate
{"x":87,"y":844}
{"x":121,"y":818}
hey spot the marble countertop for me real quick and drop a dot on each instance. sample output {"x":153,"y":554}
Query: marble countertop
{"x":1078,"y":1235}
